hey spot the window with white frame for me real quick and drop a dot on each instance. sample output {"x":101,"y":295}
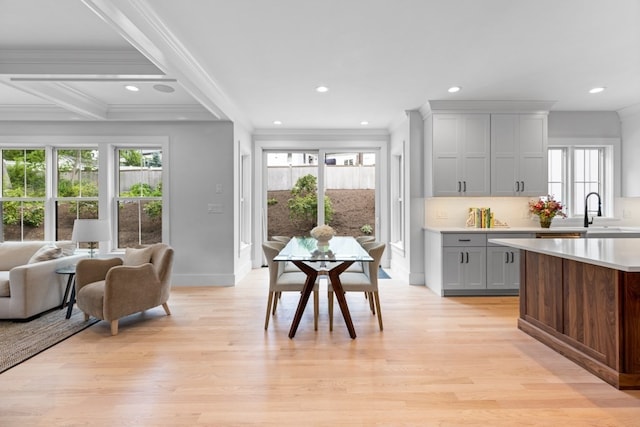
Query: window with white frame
{"x":139,"y":198}
{"x":76,"y":191}
{"x":575,"y":171}
{"x":23,"y":194}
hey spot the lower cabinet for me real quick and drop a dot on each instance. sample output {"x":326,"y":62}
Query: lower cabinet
{"x":472,"y":266}
{"x":464,"y":267}
{"x":503,"y":268}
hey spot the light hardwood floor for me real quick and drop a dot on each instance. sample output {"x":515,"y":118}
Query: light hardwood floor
{"x":438,"y":362}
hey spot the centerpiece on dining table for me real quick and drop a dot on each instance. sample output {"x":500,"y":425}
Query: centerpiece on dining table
{"x":322,"y":233}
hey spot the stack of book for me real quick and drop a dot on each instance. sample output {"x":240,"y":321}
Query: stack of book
{"x":480,"y":218}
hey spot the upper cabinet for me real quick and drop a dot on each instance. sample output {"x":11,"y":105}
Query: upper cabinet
{"x":461,"y":154}
{"x":519,"y":155}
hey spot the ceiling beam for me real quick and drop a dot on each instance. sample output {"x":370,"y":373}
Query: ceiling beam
{"x":137,"y":22}
{"x":64,"y":96}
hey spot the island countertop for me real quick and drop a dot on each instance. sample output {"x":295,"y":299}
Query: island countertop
{"x":618,"y":254}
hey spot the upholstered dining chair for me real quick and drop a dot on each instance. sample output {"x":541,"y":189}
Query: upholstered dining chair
{"x":366,"y":282}
{"x":109,"y":289}
{"x":365,"y":239}
{"x":284,"y":281}
{"x":283,"y":239}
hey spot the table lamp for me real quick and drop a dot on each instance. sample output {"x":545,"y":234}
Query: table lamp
{"x":90,"y":231}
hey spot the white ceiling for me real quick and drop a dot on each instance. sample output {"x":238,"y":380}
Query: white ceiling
{"x":258,"y":61}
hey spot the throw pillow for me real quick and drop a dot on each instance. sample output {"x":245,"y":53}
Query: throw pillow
{"x":68,"y":247}
{"x":46,"y":253}
{"x":134,"y":256}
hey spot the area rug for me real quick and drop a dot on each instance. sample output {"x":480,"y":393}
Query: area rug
{"x":20,"y":341}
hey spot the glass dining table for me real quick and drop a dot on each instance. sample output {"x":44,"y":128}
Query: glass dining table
{"x":332,"y":261}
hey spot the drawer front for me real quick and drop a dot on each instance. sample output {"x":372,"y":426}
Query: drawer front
{"x":464,"y":239}
{"x":508,"y":236}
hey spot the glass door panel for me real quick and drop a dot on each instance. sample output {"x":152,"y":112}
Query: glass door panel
{"x":291,"y":193}
{"x":350,"y":192}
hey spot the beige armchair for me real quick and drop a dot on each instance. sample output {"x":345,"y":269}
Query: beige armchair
{"x":110,"y":289}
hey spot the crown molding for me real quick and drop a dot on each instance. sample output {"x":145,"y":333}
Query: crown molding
{"x":496,"y":106}
{"x":75,"y":63}
{"x":127,"y":113}
{"x":629,"y":112}
{"x":138,"y":23}
{"x":321,"y":134}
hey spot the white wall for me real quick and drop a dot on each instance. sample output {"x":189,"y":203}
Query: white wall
{"x":408,"y":260}
{"x":200,"y":156}
{"x":630,"y":151}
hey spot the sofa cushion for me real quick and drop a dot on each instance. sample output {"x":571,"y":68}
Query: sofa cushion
{"x":46,"y":253}
{"x":4,"y":284}
{"x":13,"y":254}
{"x":135,"y":256}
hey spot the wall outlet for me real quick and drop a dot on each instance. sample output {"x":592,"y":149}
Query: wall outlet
{"x":218,"y":188}
{"x":442,"y":214}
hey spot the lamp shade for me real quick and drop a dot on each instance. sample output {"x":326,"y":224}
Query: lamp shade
{"x":90,"y":230}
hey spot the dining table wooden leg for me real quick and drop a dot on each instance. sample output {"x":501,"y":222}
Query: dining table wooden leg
{"x":309,"y":284}
{"x":334,"y":276}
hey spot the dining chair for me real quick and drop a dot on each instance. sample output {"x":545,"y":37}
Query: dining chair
{"x":366,"y":282}
{"x":283,"y":239}
{"x":365,"y":239}
{"x":284,"y":281}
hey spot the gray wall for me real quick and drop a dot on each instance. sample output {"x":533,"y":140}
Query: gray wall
{"x":200,"y":156}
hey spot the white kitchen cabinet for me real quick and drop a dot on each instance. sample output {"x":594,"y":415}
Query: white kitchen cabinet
{"x":503,"y":268}
{"x":519,"y":155}
{"x":464,"y":262}
{"x":461,"y":154}
{"x":467,"y":264}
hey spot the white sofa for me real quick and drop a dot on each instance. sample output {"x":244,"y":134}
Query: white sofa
{"x":29,"y":284}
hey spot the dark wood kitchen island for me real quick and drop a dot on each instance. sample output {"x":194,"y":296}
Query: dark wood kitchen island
{"x":581,"y":297}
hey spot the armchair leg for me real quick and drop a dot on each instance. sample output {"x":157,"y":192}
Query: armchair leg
{"x":166,"y":309}
{"x":114,"y":327}
{"x":86,"y":317}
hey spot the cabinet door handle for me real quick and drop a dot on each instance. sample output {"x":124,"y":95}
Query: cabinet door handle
{"x":517,"y":186}
{"x":459,"y":186}
{"x":465,"y":186}
{"x":467,"y":257}
{"x":521,"y":185}
{"x":512,"y":257}
{"x":461,"y":257}
{"x":464,"y":240}
{"x":506,"y":257}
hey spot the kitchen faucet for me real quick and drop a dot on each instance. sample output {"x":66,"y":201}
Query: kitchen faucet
{"x":586,"y":212}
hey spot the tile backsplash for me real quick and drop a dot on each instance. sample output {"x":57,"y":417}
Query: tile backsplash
{"x":453,"y":211}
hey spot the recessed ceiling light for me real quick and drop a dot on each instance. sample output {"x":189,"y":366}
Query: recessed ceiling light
{"x":454,"y":89}
{"x":322,"y":89}
{"x":277,"y":122}
{"x":596,"y":90}
{"x":364,"y":123}
{"x":132,"y":88}
{"x":163,"y":88}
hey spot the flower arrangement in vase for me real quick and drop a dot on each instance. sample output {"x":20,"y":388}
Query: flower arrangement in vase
{"x":546,"y":208}
{"x":323,"y":233}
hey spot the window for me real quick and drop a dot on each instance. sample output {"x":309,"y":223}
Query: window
{"x":76,"y":188}
{"x":23,"y":194}
{"x":139,"y":199}
{"x":575,"y":171}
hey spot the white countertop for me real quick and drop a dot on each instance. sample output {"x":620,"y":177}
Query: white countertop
{"x":619,"y":254}
{"x":506,"y":229}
